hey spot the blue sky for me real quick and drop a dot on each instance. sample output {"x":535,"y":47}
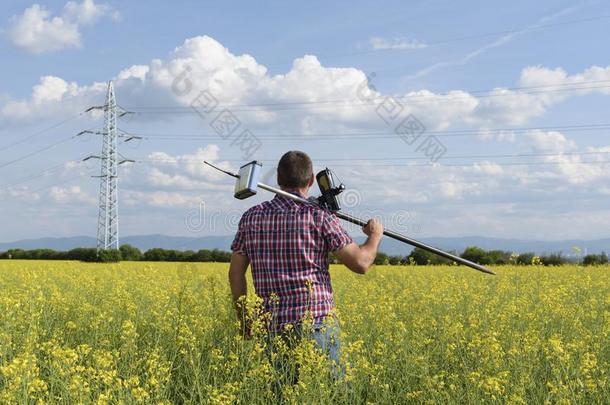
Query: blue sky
{"x":538,"y":70}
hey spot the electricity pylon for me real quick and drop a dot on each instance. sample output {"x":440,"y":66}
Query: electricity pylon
{"x":108,"y":216}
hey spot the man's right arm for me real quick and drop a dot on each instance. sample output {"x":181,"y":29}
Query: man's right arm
{"x":359,"y":258}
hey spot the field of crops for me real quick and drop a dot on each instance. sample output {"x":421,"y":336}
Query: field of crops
{"x":166,"y":333}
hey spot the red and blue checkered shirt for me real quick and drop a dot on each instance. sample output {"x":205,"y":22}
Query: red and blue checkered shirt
{"x":288,"y":245}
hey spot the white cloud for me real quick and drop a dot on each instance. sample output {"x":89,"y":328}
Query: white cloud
{"x":542,"y":88}
{"x":137,"y":72}
{"x":159,"y":179}
{"x":440,"y":111}
{"x":51,"y":88}
{"x":379,"y":43}
{"x":71,"y":195}
{"x":38,"y":31}
{"x":187,"y":172}
{"x":486,"y":134}
{"x":88,"y":12}
{"x":581,"y":83}
{"x":487,"y":167}
{"x":159,"y":199}
{"x":21,"y":193}
{"x":575,"y":169}
{"x":51,"y":98}
{"x":548,"y":141}
{"x":174,"y":180}
{"x":202,"y":63}
{"x":239,"y":79}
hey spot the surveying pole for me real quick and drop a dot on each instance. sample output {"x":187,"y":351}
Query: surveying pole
{"x":247,"y":183}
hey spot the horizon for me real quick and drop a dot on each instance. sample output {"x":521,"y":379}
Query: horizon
{"x":232,"y":235}
{"x":569,"y":248}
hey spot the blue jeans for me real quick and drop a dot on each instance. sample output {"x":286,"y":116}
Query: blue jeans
{"x":326,"y":337}
{"x":327,"y":340}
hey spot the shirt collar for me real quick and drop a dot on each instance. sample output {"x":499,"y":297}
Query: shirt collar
{"x":285,"y":200}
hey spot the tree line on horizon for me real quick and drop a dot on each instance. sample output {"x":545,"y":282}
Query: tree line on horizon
{"x":416,"y":257}
{"x":125,"y":253}
{"x":476,"y":254}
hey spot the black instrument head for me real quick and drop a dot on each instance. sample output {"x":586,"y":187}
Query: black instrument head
{"x":329,"y":190}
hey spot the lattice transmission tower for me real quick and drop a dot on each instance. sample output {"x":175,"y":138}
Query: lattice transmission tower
{"x":108,"y":215}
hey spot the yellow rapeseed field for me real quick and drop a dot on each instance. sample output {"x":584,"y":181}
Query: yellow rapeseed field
{"x":166,"y":333}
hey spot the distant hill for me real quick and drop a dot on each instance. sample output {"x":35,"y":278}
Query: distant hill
{"x":142,"y":242}
{"x":566,"y":247}
{"x":145,"y":242}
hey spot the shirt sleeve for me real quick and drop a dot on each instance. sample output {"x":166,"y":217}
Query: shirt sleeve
{"x":239,"y":243}
{"x":335,"y":236}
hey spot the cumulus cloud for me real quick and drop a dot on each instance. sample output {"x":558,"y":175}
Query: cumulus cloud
{"x":558,"y":80}
{"x":52,"y":97}
{"x":203,"y":63}
{"x":583,"y":169}
{"x":37,"y":31}
{"x":186,"y":171}
{"x":487,"y":167}
{"x":548,"y":141}
{"x":561,"y":163}
{"x":303,"y":93}
{"x":22,"y":194}
{"x":71,"y":195}
{"x":486,"y":134}
{"x":164,"y":180}
{"x":87,"y":12}
{"x":541,"y":88}
{"x":175,"y":180}
{"x":378,"y":43}
{"x":159,"y":199}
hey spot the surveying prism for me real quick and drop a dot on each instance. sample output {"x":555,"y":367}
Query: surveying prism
{"x":247,"y":183}
{"x":247,"y":180}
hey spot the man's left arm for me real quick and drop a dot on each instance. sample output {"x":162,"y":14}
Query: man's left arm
{"x":237,"y":275}
{"x":239,"y":286}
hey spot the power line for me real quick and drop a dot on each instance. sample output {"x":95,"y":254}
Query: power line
{"x":481,"y":91}
{"x":383,"y":161}
{"x":411,"y":98}
{"x":38,"y":133}
{"x":40,"y":174}
{"x":384,"y":134}
{"x":487,"y":164}
{"x":516,"y":155}
{"x":54,"y":184}
{"x":10,"y":162}
{"x":79,"y":176}
{"x":26,"y":179}
{"x":351,"y":136}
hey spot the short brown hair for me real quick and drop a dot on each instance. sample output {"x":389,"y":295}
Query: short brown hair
{"x":294,"y":170}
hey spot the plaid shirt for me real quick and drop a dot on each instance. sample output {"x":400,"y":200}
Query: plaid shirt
{"x":288,"y":245}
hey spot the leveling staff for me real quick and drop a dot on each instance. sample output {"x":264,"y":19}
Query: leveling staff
{"x":287,"y":244}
